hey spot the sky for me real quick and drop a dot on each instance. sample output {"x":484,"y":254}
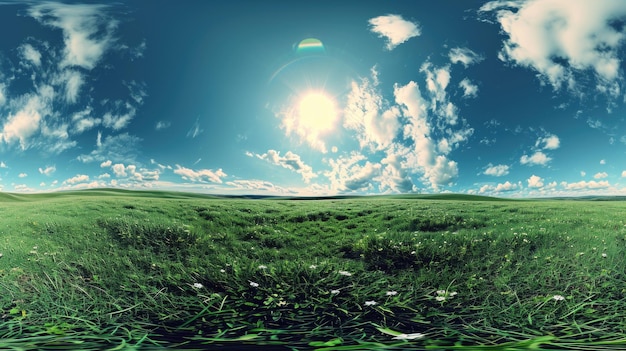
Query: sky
{"x":497,"y":98}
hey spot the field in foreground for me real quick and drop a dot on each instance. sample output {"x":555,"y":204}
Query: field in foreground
{"x":123,"y":270}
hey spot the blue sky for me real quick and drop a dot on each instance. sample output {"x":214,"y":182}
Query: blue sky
{"x":501,"y":98}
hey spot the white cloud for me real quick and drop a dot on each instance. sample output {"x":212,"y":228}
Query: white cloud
{"x":119,"y":170}
{"x":48,"y":170}
{"x":23,"y":124}
{"x":83,"y":122}
{"x":624,"y":174}
{"x":497,"y":171}
{"x":470,"y":90}
{"x":23,"y":175}
{"x":350,"y":174}
{"x":3,"y":165}
{"x":583,"y":173}
{"x":464,"y":56}
{"x":79,"y":178}
{"x":583,"y":185}
{"x":550,"y":142}
{"x":162,"y":125}
{"x":363,"y":114}
{"x":3,"y":97}
{"x":31,"y":54}
{"x":195,"y":130}
{"x":394,"y":29}
{"x":73,"y":82}
{"x":118,"y":148}
{"x":87,"y":32}
{"x":106,"y":163}
{"x":507,"y":186}
{"x":602,"y":162}
{"x":394,"y":176}
{"x":561,"y":39}
{"x":535,"y":181}
{"x":290,"y":161}
{"x":600,"y":175}
{"x":119,"y":121}
{"x":201,"y":176}
{"x":538,"y":158}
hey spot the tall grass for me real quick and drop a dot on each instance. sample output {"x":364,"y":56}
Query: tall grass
{"x":97,"y":272}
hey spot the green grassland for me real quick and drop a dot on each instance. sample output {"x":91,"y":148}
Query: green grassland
{"x":108,"y":269}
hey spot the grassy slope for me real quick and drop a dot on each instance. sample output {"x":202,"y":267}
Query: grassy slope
{"x":121,"y":265}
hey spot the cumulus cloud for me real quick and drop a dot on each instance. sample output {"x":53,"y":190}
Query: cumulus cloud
{"x":23,"y":175}
{"x":464,"y":56}
{"x":538,"y":158}
{"x":24,"y":123}
{"x":584,"y":185}
{"x":395,"y":176}
{"x":395,"y":29}
{"x":200,"y":176}
{"x":550,"y":142}
{"x":624,"y":174}
{"x":507,"y":186}
{"x":48,"y":170}
{"x":600,"y":175}
{"x":561,"y":39}
{"x":79,"y":178}
{"x":30,"y":54}
{"x":290,"y":161}
{"x":352,"y":173}
{"x":535,"y":181}
{"x":363,"y":114}
{"x":87,"y":31}
{"x":497,"y":170}
{"x":470,"y":90}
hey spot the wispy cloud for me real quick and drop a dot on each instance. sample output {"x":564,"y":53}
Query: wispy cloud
{"x":87,"y":31}
{"x":464,"y":56}
{"x":584,"y":185}
{"x":118,"y":148}
{"x":48,"y":170}
{"x":552,"y":38}
{"x":160,"y":125}
{"x":200,"y":176}
{"x":290,"y":161}
{"x":395,"y":29}
{"x":195,"y":130}
{"x":30,"y":54}
{"x":600,"y":175}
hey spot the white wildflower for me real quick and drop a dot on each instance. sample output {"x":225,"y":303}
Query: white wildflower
{"x":346,"y":273}
{"x":603,"y":255}
{"x":409,"y":336}
{"x":312,"y":266}
{"x":558,"y":298}
{"x":253,"y":284}
{"x":222,"y":271}
{"x":262,"y":267}
{"x":440,"y":298}
{"x":370,"y":303}
{"x":392,"y":293}
{"x":198,"y":285}
{"x":441,"y":292}
{"x":334,"y":292}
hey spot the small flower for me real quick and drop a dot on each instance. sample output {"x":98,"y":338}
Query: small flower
{"x":409,"y":336}
{"x":370,"y":303}
{"x":346,"y":273}
{"x":253,"y":284}
{"x":392,"y":293}
{"x":334,"y":292}
{"x":558,"y":298}
{"x":452,"y":293}
{"x":440,"y":298}
{"x":198,"y":285}
{"x":603,"y":255}
{"x":441,"y":292}
{"x":222,"y":271}
{"x":0,"y":254}
{"x":312,"y":266}
{"x":281,"y":303}
{"x":262,"y":267}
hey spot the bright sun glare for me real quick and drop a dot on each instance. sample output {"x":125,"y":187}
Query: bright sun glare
{"x":317,"y":112}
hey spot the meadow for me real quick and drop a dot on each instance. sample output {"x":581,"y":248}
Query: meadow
{"x":121,"y":270}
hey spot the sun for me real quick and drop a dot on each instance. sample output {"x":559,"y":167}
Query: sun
{"x":317,"y":112}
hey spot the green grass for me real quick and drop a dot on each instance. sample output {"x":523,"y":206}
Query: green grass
{"x":116,"y":270}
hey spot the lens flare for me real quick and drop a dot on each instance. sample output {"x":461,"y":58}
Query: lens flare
{"x":310,"y":46}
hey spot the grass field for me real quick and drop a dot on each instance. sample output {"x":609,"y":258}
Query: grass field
{"x":119,"y":270}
